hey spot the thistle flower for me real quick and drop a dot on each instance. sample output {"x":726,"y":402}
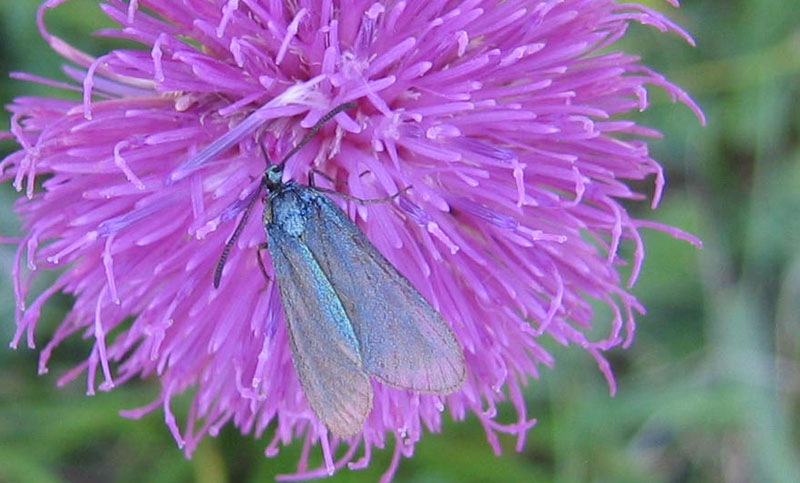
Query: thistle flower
{"x":505,"y":118}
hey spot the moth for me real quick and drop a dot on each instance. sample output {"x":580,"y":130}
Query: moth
{"x":351,"y":315}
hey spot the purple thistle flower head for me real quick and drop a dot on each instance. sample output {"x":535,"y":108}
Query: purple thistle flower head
{"x":506,"y":120}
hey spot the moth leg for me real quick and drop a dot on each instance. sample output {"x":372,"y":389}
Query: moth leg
{"x":363,"y":201}
{"x":262,"y":246}
{"x":312,"y":183}
{"x":312,"y":174}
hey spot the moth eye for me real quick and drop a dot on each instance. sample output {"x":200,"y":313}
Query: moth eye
{"x":274,"y":173}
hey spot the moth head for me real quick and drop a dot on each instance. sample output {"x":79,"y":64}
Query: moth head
{"x":273,"y":177}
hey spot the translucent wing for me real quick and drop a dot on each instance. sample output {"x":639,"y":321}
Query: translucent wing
{"x":324,"y":349}
{"x":403,"y":341}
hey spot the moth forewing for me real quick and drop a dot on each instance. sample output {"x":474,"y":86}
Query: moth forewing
{"x":403,"y":341}
{"x":324,"y":349}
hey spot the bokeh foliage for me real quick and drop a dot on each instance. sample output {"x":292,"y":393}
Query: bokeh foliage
{"x":708,"y":392}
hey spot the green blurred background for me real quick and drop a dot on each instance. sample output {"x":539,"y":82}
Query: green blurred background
{"x":709,"y":391}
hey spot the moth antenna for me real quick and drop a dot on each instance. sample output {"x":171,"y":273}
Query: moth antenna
{"x":310,"y":134}
{"x":263,"y":149}
{"x":238,"y":231}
